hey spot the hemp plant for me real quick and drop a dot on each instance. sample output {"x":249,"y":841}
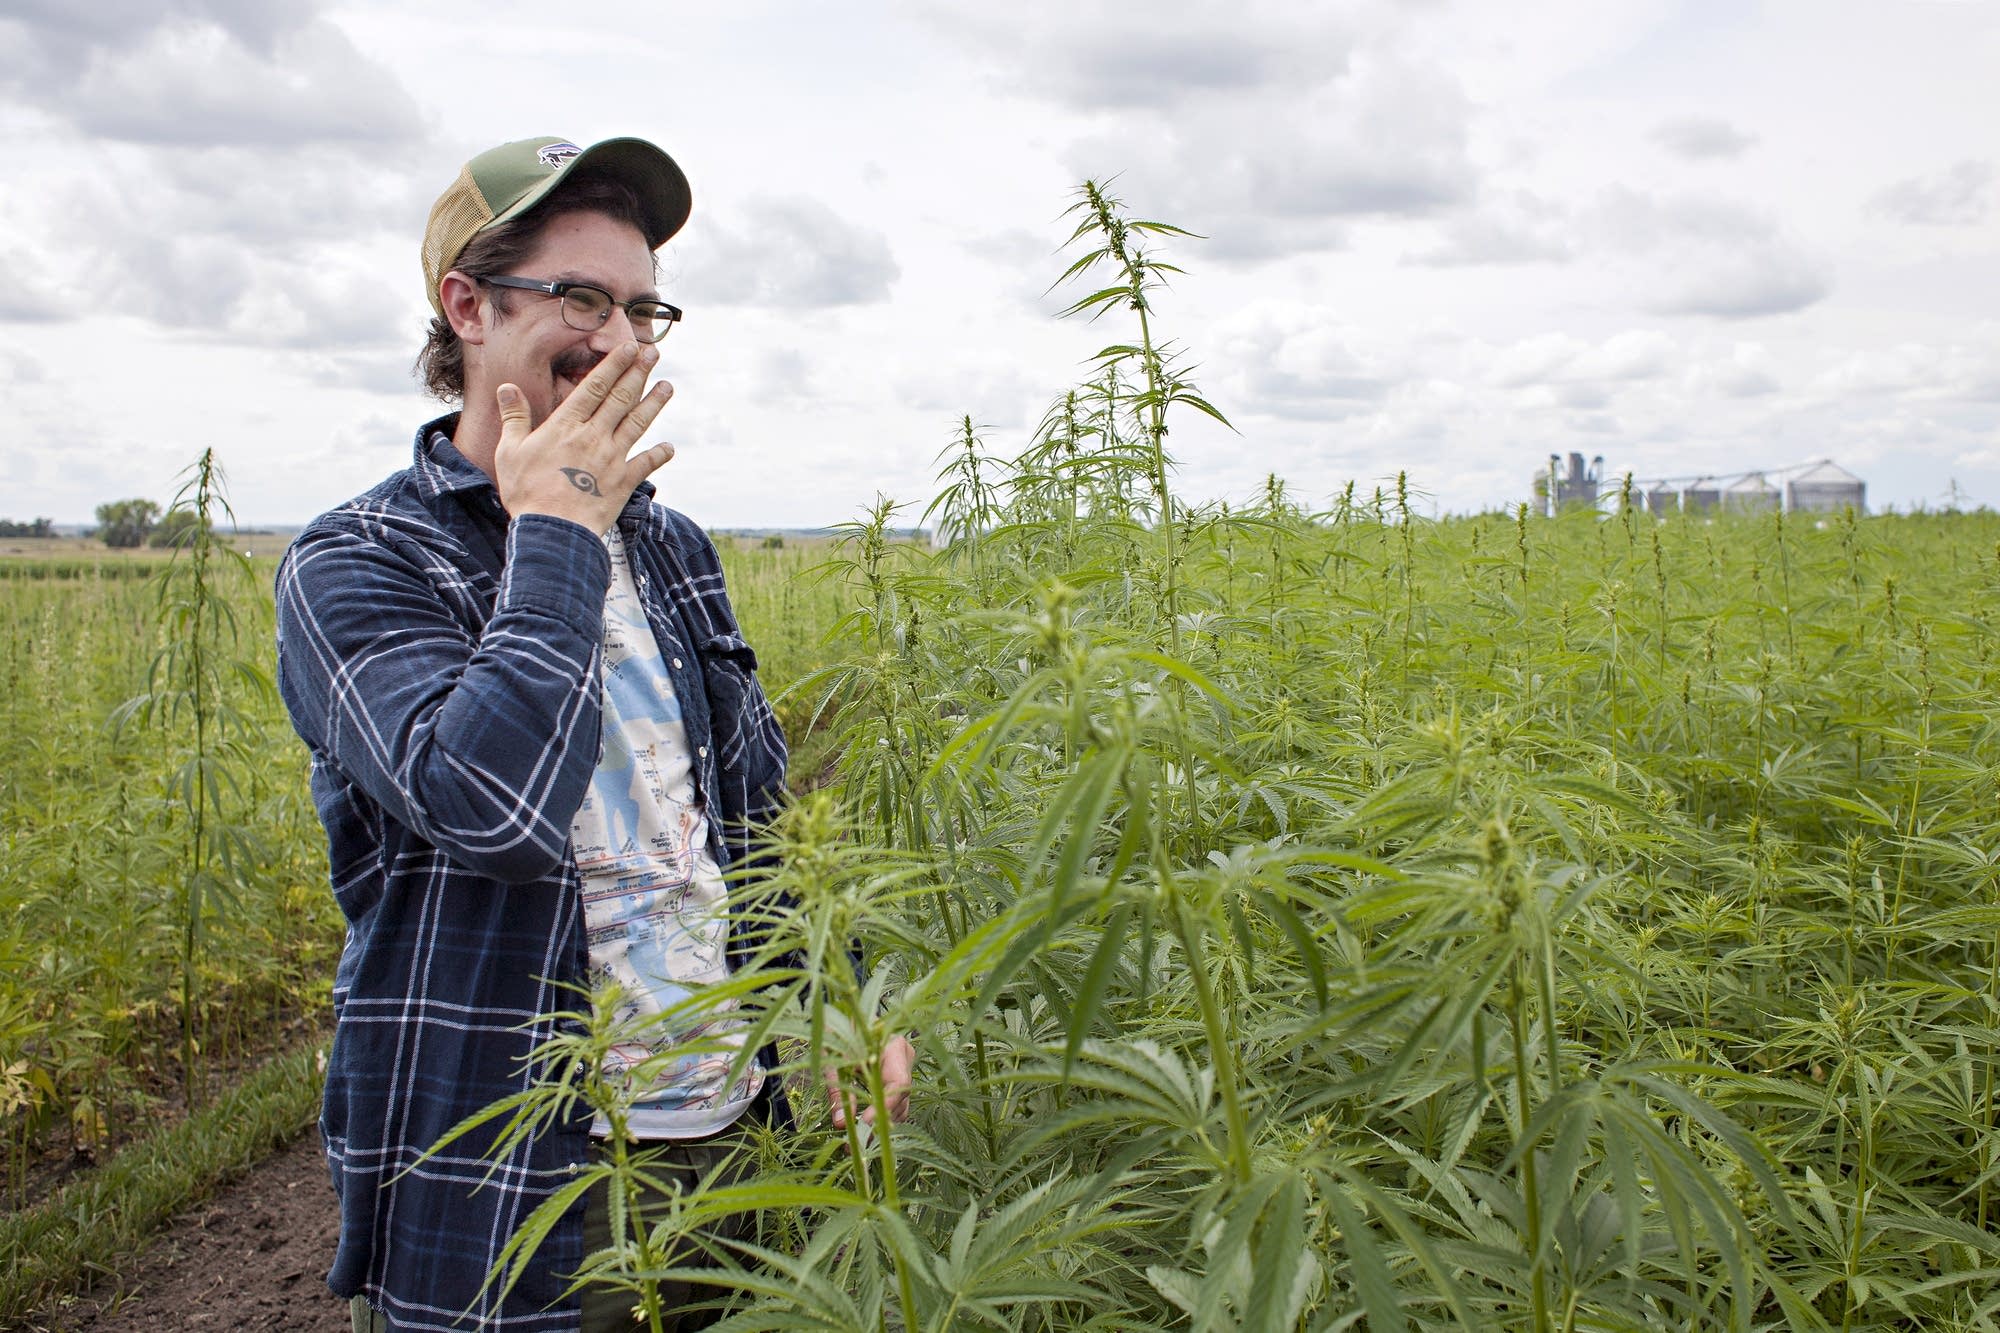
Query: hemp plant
{"x":1137,"y":275}
{"x":198,"y":690}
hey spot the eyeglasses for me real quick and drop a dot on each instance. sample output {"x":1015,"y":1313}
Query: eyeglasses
{"x":585,"y":308}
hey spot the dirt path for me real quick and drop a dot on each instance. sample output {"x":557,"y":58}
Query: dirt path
{"x":253,"y":1257}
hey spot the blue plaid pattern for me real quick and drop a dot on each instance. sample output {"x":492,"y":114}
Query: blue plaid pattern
{"x":441,"y":664}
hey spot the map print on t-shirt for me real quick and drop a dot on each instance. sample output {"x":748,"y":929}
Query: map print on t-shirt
{"x":652,"y":893}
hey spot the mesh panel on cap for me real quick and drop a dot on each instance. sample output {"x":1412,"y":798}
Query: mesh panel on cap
{"x":456,"y":218}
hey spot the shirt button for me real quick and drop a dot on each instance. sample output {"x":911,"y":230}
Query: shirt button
{"x":677,"y":664}
{"x":703,"y":752}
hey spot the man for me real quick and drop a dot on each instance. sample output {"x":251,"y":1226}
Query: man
{"x":537,"y":739}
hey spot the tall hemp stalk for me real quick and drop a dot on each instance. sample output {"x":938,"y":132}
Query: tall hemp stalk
{"x":970,"y":504}
{"x":196,"y":686}
{"x":1137,"y":275}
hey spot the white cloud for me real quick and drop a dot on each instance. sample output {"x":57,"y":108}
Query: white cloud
{"x":1149,"y":65}
{"x":1758,"y":280}
{"x":1636,"y":354}
{"x":1559,"y":359}
{"x":1275,"y":173}
{"x":1266,"y":129}
{"x":791,"y":253}
{"x":1978,"y":375}
{"x":1879,"y":371}
{"x":1748,"y":372}
{"x":213,"y":164}
{"x":1534,"y":360}
{"x":1966,"y":372}
{"x":1297,"y":361}
{"x":1961,"y":195}
{"x":378,"y":372}
{"x":18,"y":367}
{"x":196,"y":84}
{"x":997,"y":398}
{"x":782,"y":375}
{"x":211,"y":282}
{"x":185,"y":282}
{"x":1016,"y":248}
{"x":1580,"y":396}
{"x":1092,"y":54}
{"x":202,"y":72}
{"x":345,"y":455}
{"x":1513,"y":228}
{"x":1700,"y":138}
{"x":128,"y":208}
{"x":1701,"y":255}
{"x":327,"y":307}
{"x":162,"y":254}
{"x":275,"y":201}
{"x":64,"y":28}
{"x":29,"y":295}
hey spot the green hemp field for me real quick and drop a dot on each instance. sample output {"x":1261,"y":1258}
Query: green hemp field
{"x":1314,"y":914}
{"x":1310,"y":914}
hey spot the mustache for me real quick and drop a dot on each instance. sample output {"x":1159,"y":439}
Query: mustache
{"x":577,"y":362}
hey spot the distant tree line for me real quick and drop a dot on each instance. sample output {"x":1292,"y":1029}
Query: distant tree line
{"x":34,"y":527}
{"x":126,"y":523}
{"x":130,"y":523}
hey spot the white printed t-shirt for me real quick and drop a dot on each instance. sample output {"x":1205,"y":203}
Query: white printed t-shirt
{"x":652,"y":894}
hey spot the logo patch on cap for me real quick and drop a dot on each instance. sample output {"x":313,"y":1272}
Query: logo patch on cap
{"x":557,"y":155}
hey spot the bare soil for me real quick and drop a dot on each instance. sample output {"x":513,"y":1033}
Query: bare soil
{"x":252,"y":1257}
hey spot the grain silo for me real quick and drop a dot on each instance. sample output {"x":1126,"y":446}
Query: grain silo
{"x":1661,"y":500}
{"x":1826,"y":488}
{"x":1751,"y":495}
{"x":1703,"y":497}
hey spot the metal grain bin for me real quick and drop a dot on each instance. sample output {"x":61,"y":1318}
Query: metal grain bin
{"x":1703,"y":497}
{"x":1752,"y":495}
{"x":1826,"y":488}
{"x":1662,"y":499}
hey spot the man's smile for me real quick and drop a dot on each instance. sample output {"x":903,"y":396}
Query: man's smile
{"x":573,"y":366}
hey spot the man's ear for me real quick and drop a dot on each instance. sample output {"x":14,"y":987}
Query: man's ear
{"x":460,"y":297}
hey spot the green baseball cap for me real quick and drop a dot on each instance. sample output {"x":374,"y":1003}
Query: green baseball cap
{"x":505,"y":182}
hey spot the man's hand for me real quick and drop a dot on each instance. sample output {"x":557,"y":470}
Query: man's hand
{"x":573,"y":465}
{"x":899,"y":1057}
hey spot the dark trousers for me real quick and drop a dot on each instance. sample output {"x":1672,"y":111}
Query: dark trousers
{"x":726,"y":1158}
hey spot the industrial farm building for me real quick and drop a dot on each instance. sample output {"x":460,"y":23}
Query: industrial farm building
{"x":1823,"y":487}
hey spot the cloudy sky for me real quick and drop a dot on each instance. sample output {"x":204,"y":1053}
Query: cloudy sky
{"x":1451,"y":236}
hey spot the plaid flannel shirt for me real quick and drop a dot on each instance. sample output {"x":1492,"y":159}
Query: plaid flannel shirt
{"x":442,"y":665}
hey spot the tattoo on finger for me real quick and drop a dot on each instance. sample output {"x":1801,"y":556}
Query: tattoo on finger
{"x":582,"y":480}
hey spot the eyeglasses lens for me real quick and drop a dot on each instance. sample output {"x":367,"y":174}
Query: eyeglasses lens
{"x":650,"y":323}
{"x":585,"y":309}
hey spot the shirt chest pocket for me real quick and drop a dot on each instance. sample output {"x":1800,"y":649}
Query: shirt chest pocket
{"x":729,"y":669}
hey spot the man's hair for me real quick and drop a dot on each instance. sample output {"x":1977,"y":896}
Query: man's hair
{"x":496,"y":251}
